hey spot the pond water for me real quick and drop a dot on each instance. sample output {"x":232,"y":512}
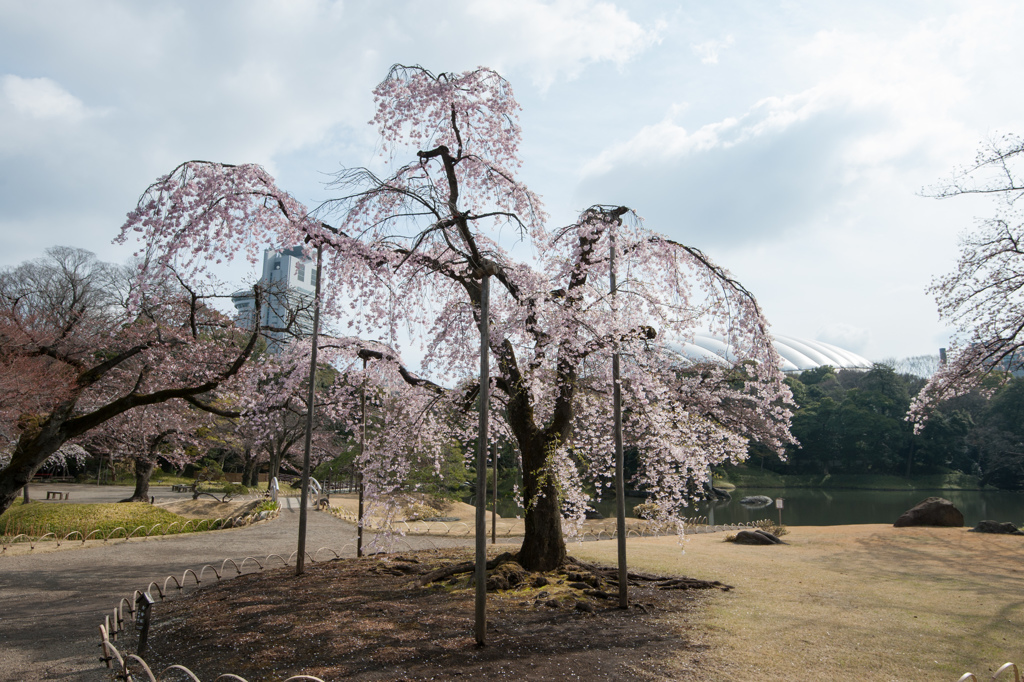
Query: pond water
{"x":816,"y":507}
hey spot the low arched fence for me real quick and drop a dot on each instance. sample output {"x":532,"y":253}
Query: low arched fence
{"x":638,"y":529}
{"x":33,"y":536}
{"x":116,"y":630}
{"x":1004,"y":668}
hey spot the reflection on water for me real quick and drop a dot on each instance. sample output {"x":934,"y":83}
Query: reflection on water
{"x":811,"y":507}
{"x":814,"y":507}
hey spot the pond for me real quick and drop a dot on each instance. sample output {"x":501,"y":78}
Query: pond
{"x":818,"y":507}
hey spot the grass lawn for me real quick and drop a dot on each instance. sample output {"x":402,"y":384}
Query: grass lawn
{"x":38,"y":518}
{"x":868,"y":602}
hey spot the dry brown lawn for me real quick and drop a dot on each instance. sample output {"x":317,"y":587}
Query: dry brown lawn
{"x":205,"y":508}
{"x":866,"y":602}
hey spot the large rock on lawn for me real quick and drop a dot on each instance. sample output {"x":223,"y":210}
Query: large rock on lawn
{"x":935,"y":511}
{"x":756,"y":537}
{"x":996,"y":527}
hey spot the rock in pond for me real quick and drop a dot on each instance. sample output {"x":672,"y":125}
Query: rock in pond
{"x":934,"y":511}
{"x":756,"y":501}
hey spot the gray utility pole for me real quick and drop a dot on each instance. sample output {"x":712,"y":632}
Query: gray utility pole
{"x":365,"y":354}
{"x":480,"y":574}
{"x":494,"y":497}
{"x":362,"y":449}
{"x":300,"y":560}
{"x":620,"y":483}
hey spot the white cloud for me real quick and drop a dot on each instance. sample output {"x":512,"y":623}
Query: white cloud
{"x":282,"y":83}
{"x":564,"y":36}
{"x":709,"y":50}
{"x":41,"y":98}
{"x":868,"y":111}
{"x":845,"y":336}
{"x":803,"y":146}
{"x":667,"y":141}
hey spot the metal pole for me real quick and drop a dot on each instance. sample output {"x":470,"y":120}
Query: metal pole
{"x":480,"y":574}
{"x":300,"y":560}
{"x":620,"y":481}
{"x":494,"y":497}
{"x":362,"y":449}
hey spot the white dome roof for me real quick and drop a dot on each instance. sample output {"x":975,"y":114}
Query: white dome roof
{"x":796,"y":355}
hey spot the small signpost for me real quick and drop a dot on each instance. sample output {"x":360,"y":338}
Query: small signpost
{"x":143,"y":612}
{"x":778,"y":505}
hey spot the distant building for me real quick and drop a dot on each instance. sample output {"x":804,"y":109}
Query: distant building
{"x":289,"y":283}
{"x":795,"y":355}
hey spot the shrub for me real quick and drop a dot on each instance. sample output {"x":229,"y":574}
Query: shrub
{"x":770,"y":526}
{"x":438,"y":503}
{"x":265,"y":505}
{"x":207,"y":469}
{"x":647,"y":511}
{"x":417,"y":512}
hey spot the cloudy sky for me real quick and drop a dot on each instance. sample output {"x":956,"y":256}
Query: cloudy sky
{"x":789,"y":140}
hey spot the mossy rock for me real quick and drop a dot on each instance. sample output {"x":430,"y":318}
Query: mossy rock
{"x":506,"y":576}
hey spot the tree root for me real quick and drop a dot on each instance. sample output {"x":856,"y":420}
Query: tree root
{"x":611,"y":574}
{"x":464,"y":567}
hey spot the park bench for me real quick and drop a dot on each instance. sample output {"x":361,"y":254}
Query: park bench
{"x":180,"y":488}
{"x":57,"y":495}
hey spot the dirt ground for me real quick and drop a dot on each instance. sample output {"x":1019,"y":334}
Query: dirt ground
{"x":370,"y":619}
{"x":52,"y":599}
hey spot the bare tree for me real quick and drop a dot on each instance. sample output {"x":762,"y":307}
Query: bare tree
{"x":102,"y":343}
{"x":983,"y":298}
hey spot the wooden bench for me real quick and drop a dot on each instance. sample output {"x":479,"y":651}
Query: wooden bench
{"x":180,"y":488}
{"x":57,"y":495}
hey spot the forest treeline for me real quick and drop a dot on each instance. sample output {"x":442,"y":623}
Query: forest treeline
{"x":854,"y":422}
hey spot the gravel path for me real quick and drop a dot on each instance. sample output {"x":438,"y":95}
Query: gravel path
{"x":52,"y":603}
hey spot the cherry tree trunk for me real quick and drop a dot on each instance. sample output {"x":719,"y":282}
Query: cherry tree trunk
{"x":36,"y":443}
{"x":275,"y":465}
{"x":543,"y":544}
{"x":249,"y":469}
{"x":143,"y":471}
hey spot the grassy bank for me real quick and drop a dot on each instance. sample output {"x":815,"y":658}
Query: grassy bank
{"x":754,"y":478}
{"x":38,"y":518}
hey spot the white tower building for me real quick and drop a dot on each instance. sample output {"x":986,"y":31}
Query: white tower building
{"x":289,"y":281}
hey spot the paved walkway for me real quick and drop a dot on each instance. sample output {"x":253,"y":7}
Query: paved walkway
{"x":51,"y":604}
